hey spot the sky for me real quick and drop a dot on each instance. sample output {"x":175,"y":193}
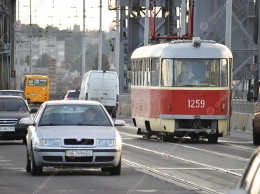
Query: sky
{"x":65,"y":13}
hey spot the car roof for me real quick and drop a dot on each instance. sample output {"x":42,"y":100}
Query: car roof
{"x":80,"y":102}
{"x":5,"y":96}
{"x":73,"y":91}
{"x":11,"y":91}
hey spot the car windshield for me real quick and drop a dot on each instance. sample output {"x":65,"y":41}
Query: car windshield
{"x":13,"y":93}
{"x":11,"y":104}
{"x":74,"y":115}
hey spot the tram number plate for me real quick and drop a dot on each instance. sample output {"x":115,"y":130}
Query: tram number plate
{"x":7,"y":128}
{"x":78,"y":153}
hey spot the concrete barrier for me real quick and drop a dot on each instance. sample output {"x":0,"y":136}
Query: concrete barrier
{"x":233,"y":120}
{"x":241,"y":121}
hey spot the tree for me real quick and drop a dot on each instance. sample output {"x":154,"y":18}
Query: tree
{"x":43,"y":61}
{"x":105,"y":63}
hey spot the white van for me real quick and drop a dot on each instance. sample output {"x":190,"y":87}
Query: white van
{"x":101,"y":86}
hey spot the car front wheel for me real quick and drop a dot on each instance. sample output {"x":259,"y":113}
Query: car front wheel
{"x":116,"y":170}
{"x":256,"y":138}
{"x":35,"y":170}
{"x":28,"y":162}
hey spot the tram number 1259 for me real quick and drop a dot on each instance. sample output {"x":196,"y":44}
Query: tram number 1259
{"x":196,"y":103}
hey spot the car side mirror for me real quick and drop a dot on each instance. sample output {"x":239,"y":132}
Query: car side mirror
{"x":119,"y":122}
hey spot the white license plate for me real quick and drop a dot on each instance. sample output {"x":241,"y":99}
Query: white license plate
{"x":78,"y":153}
{"x":7,"y":128}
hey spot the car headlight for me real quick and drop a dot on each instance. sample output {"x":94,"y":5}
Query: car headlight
{"x":105,"y":142}
{"x":49,"y":142}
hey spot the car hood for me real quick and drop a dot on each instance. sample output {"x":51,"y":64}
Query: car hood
{"x":13,"y":114}
{"x":91,"y":132}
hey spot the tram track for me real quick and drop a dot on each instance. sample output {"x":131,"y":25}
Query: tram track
{"x":185,"y":160}
{"x":194,"y":148}
{"x":162,"y":172}
{"x":168,"y":177}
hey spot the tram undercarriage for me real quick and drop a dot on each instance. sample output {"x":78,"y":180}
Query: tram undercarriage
{"x":182,"y":128}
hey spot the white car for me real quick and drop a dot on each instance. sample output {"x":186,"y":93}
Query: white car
{"x":61,"y":136}
{"x":72,"y":95}
{"x":250,"y":181}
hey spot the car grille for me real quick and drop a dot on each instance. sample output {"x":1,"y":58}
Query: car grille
{"x":79,"y":159}
{"x":104,"y":159}
{"x":76,"y":142}
{"x":52,"y":158}
{"x":8,"y":121}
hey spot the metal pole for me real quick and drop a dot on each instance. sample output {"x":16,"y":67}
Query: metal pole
{"x":30,"y":58}
{"x":100,"y":38}
{"x":146,"y":29}
{"x":183,"y":17}
{"x":228,"y":23}
{"x":83,"y":42}
{"x":117,"y":46}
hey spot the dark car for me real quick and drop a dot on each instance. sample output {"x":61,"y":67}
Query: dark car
{"x":250,"y":181}
{"x":72,"y":95}
{"x":256,"y":125}
{"x":13,"y":93}
{"x":12,"y":109}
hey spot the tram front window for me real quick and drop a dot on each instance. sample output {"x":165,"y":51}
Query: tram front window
{"x":201,"y":72}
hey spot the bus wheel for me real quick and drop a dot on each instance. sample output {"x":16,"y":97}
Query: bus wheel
{"x":213,"y":138}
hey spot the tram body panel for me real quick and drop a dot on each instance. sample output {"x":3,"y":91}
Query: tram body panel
{"x":162,"y":103}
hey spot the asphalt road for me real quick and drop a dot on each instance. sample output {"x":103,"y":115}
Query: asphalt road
{"x":149,"y":166}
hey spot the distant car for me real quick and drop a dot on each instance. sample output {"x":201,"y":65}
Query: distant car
{"x":250,"y":181}
{"x":72,"y":95}
{"x":12,"y":109}
{"x":256,"y":128}
{"x":14,"y":93}
{"x":61,"y":136}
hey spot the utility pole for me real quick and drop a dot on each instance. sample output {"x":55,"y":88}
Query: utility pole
{"x":228,"y":23}
{"x":117,"y":46}
{"x":146,"y":29}
{"x":83,"y":42}
{"x":100,"y":38}
{"x":30,"y":58}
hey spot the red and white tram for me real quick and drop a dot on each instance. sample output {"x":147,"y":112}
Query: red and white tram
{"x":182,"y":88}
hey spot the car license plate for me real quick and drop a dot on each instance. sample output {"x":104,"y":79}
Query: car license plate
{"x":78,"y":153}
{"x":7,"y":128}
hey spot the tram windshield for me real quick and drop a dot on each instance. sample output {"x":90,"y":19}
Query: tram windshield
{"x":194,"y":72}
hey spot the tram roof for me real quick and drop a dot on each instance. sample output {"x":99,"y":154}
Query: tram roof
{"x":184,"y":49}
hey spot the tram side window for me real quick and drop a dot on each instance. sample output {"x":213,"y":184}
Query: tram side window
{"x":139,"y":72}
{"x":218,"y":72}
{"x":144,"y":77}
{"x":134,"y":81}
{"x":223,"y":73}
{"x":155,"y":72}
{"x":147,"y":77}
{"x":167,"y":72}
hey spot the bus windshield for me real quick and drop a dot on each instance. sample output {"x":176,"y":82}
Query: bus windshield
{"x":194,"y":72}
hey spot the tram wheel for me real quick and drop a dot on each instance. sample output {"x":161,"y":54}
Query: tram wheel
{"x":146,"y":136}
{"x":213,"y":138}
